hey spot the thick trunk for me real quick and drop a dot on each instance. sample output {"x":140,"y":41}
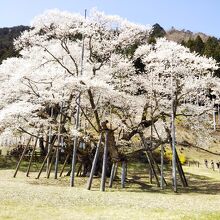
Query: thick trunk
{"x":92,"y":103}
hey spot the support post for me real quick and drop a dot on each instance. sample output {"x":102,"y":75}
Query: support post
{"x":123,"y":174}
{"x":214,"y":120}
{"x":57,"y":153}
{"x":78,"y":100}
{"x":46,"y":159}
{"x":161,"y":169}
{"x":32,"y":155}
{"x":51,"y":164}
{"x":149,"y":158}
{"x":23,"y":153}
{"x":115,"y":171}
{"x":49,"y":141}
{"x":150,"y":175}
{"x":58,"y":142}
{"x":181,"y":172}
{"x":72,"y":176}
{"x":218,"y":115}
{"x":89,"y":184}
{"x":75,"y":142}
{"x":104,"y":164}
{"x":64,"y":164}
{"x":173,"y":134}
{"x":112,"y":175}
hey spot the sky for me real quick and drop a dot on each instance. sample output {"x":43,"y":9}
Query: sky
{"x":194,"y":15}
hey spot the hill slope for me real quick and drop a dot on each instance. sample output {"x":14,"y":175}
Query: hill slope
{"x":6,"y":40}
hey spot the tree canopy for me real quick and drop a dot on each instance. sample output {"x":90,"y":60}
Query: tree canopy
{"x":52,"y":69}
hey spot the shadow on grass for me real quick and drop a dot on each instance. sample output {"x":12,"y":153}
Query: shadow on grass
{"x":8,"y":163}
{"x":201,"y":184}
{"x":198,"y":184}
{"x":137,"y":180}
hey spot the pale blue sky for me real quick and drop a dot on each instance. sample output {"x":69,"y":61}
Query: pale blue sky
{"x":194,"y":15}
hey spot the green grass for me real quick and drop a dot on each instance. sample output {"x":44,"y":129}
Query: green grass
{"x":29,"y":198}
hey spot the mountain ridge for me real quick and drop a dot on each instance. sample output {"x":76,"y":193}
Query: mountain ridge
{"x":208,"y":45}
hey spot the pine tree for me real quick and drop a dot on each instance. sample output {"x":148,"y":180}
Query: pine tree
{"x":190,"y":44}
{"x":211,"y":47}
{"x":198,"y":45}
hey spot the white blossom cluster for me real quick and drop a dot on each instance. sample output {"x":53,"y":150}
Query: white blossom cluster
{"x":65,"y":53}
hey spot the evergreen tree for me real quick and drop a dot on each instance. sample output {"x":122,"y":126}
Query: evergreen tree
{"x":198,"y":45}
{"x":190,"y":44}
{"x":158,"y":31}
{"x":183,"y":43}
{"x":212,"y":47}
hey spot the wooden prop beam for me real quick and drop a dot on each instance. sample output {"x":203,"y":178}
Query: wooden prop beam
{"x":89,"y":184}
{"x":21,"y":158}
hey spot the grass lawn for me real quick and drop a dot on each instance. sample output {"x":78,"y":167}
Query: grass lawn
{"x":28,"y":198}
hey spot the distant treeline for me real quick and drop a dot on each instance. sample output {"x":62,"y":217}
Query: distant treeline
{"x":210,"y":48}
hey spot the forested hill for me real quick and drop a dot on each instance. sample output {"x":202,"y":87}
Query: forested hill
{"x":6,"y":40}
{"x":199,"y":42}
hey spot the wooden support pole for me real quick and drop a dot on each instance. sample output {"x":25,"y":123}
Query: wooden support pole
{"x":218,"y":115}
{"x":112,"y":175}
{"x":32,"y":155}
{"x":57,"y":153}
{"x":72,"y":176}
{"x":49,"y":140}
{"x":46,"y":159}
{"x":180,"y":171}
{"x":51,"y":164}
{"x":150,"y":175}
{"x":48,"y":148}
{"x":151,"y":135}
{"x":104,"y":164}
{"x":149,"y":158}
{"x":151,"y":163}
{"x":173,"y":144}
{"x":214,"y":120}
{"x":161,"y":171}
{"x":79,"y":169}
{"x":162,"y":168}
{"x":126,"y":169}
{"x":157,"y":167}
{"x":89,"y":184}
{"x":123,"y":174}
{"x":23,"y":153}
{"x":59,"y":142}
{"x":64,"y":164}
{"x":115,"y":171}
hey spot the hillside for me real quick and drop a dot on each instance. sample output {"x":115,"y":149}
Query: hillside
{"x":184,"y":35}
{"x":7,"y":34}
{"x":200,"y":43}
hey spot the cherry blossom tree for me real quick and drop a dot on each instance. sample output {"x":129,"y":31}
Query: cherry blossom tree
{"x":102,"y":67}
